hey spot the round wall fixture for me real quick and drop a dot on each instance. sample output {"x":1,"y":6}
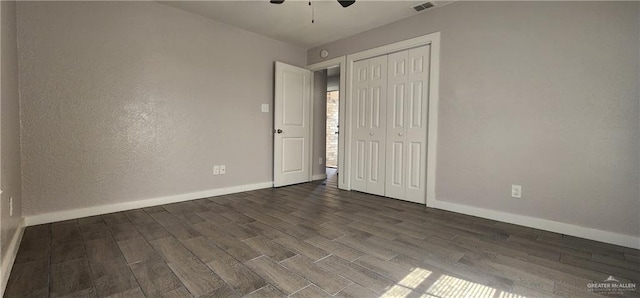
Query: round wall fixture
{"x":324,"y":54}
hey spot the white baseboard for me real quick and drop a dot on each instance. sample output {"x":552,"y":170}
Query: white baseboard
{"x":10,"y":256}
{"x":319,"y":177}
{"x":542,"y":224}
{"x":104,"y":209}
{"x":533,"y":222}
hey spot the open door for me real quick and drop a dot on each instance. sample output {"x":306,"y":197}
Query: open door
{"x":291,"y":134}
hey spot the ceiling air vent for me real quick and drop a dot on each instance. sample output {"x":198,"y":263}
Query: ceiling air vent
{"x":423,"y":6}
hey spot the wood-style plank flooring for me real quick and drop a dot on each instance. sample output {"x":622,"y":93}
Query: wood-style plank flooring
{"x":307,"y":240}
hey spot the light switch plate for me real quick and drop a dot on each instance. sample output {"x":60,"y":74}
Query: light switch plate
{"x":265,"y":108}
{"x":216,"y":170}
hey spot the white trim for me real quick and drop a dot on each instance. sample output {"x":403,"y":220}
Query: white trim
{"x":342,"y":63}
{"x":10,"y":256}
{"x":395,"y":47}
{"x":432,"y":39}
{"x":542,"y":224}
{"x":104,"y":209}
{"x":339,"y":61}
{"x":343,"y":134}
{"x":312,"y":103}
{"x":432,"y":135}
{"x":319,"y":177}
{"x":346,"y":125}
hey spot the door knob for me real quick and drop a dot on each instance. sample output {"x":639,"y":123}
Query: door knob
{"x":400,"y":134}
{"x":279,"y":131}
{"x":371,"y":133}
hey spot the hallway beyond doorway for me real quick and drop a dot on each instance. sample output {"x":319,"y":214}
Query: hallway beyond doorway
{"x":332,"y":128}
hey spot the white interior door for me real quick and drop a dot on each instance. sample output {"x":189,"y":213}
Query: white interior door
{"x":408,"y":75}
{"x":368,"y":116}
{"x":396,"y":126}
{"x":292,"y":133}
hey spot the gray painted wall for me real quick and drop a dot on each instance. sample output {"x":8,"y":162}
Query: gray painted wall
{"x":333,"y":83}
{"x":10,"y":133}
{"x":319,"y":122}
{"x":124,"y":101}
{"x":542,"y":94}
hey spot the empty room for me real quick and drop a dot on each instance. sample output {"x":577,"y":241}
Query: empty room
{"x":320,"y":148}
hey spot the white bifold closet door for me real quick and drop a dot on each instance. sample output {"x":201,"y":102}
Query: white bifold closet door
{"x":389,"y":121}
{"x":369,"y":125}
{"x":407,"y":103}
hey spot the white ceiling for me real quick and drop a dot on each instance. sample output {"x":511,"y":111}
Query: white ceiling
{"x":291,"y":21}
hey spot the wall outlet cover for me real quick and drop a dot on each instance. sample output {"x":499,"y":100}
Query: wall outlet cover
{"x":223,"y":169}
{"x":216,"y":170}
{"x":516,"y":191}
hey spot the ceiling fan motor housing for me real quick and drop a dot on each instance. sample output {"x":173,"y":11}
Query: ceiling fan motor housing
{"x":346,"y":3}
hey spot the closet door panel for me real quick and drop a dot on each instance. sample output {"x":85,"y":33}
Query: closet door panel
{"x":359,"y":122}
{"x":416,"y":127}
{"x":376,"y":174}
{"x":389,"y":124}
{"x":396,"y":161}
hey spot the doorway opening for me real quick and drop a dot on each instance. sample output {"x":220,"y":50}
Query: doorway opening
{"x":332,"y":128}
{"x":332,"y":122}
{"x":328,"y":77}
{"x":333,"y":109}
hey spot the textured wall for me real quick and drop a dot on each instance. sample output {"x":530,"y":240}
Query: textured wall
{"x":124,"y":101}
{"x":319,"y":120}
{"x":10,"y":123}
{"x":542,"y":94}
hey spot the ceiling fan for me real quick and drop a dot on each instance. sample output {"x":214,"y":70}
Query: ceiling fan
{"x":343,"y":3}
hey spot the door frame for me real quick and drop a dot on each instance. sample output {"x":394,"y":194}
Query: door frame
{"x":432,"y":39}
{"x":340,"y":62}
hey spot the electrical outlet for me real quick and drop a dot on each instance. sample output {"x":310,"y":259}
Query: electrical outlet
{"x":320,"y":161}
{"x":10,"y":206}
{"x":223,"y":170}
{"x":216,"y":170}
{"x":516,"y":191}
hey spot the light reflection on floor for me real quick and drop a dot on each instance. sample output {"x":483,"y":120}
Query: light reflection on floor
{"x":444,"y":286}
{"x":408,"y":283}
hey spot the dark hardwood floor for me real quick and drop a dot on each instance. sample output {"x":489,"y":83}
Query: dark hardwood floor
{"x":308,"y":240}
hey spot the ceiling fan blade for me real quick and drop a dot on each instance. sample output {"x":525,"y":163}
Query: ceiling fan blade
{"x":276,"y":1}
{"x":346,"y":3}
